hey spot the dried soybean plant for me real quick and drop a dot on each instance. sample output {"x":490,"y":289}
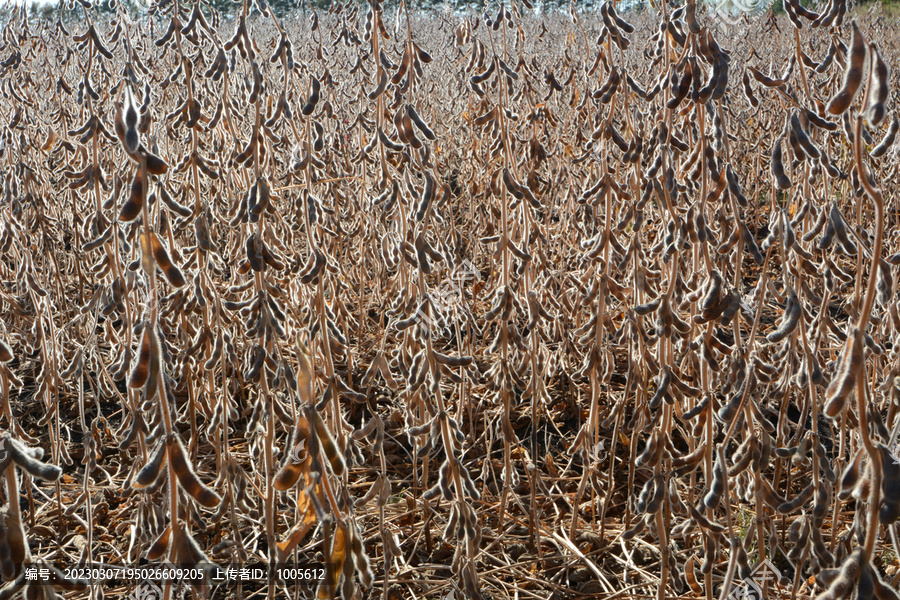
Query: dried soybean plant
{"x":577,"y":303}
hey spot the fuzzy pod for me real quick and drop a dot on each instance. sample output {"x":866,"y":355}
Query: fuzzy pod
{"x":28,"y":460}
{"x":717,"y":487}
{"x":877,"y":90}
{"x":853,"y":75}
{"x":840,"y":230}
{"x":776,"y":165}
{"x":888,"y":139}
{"x":792,"y":314}
{"x":150,"y":473}
{"x":889,"y":511}
{"x":327,"y":443}
{"x":310,"y":105}
{"x":852,"y":367}
{"x":178,"y":461}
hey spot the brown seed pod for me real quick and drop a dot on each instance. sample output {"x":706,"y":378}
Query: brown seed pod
{"x":480,"y":77}
{"x":748,"y":90}
{"x":310,"y":105}
{"x":132,"y":207}
{"x":159,"y":546}
{"x":782,"y":181}
{"x":765,"y":79}
{"x":803,"y":138}
{"x":797,"y":501}
{"x":427,"y":196}
{"x":161,"y":255}
{"x":792,"y":313}
{"x":840,"y":229}
{"x":648,"y":492}
{"x":189,"y":481}
{"x":148,"y":475}
{"x":28,"y":459}
{"x":889,"y":511}
{"x":888,"y":140}
{"x":662,"y":388}
{"x":717,"y":487}
{"x":423,"y":127}
{"x":326,"y":442}
{"x":655,"y":502}
{"x":853,"y":75}
{"x":680,"y":90}
{"x":882,"y":590}
{"x":6,"y":353}
{"x":690,"y":575}
{"x":877,"y":87}
{"x":851,"y":367}
{"x":360,"y":559}
{"x":140,"y":371}
{"x":848,"y":575}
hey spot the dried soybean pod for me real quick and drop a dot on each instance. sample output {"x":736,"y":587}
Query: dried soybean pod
{"x":423,"y":127}
{"x":189,"y":481}
{"x":427,"y":196}
{"x":828,"y":59}
{"x":480,"y":77}
{"x":734,"y":187}
{"x":717,"y":488}
{"x":656,"y":500}
{"x":865,"y":587}
{"x":680,"y":91}
{"x":132,"y":207}
{"x":161,"y":544}
{"x":848,"y":575}
{"x":310,"y":105}
{"x":662,"y":387}
{"x":713,"y":291}
{"x":216,"y":353}
{"x":647,"y":308}
{"x":852,"y":75}
{"x":792,"y":313}
{"x":161,"y":255}
{"x":797,"y":501}
{"x":851,"y":367}
{"x":888,"y":140}
{"x":648,"y":491}
{"x":819,"y":122}
{"x":287,"y":476}
{"x":140,"y":371}
{"x":326,"y":442}
{"x":620,"y":23}
{"x":748,"y":91}
{"x":696,"y":410}
{"x":422,"y":256}
{"x":782,"y":181}
{"x":750,"y":244}
{"x":649,"y":456}
{"x":28,"y":460}
{"x":382,"y":84}
{"x":6,"y":353}
{"x":690,"y":575}
{"x":819,"y":223}
{"x":828,"y":235}
{"x":803,"y":138}
{"x":877,"y":90}
{"x":148,"y":475}
{"x":840,"y":229}
{"x":889,"y":511}
{"x":884,"y":591}
{"x":850,"y":476}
